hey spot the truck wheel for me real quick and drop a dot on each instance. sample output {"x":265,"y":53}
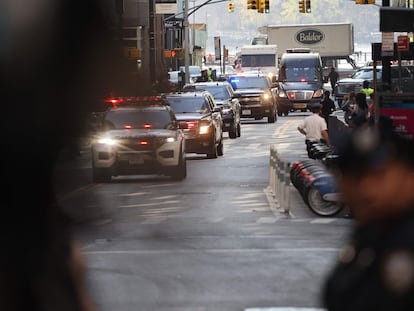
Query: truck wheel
{"x":271,"y":119}
{"x":212,"y":154}
{"x":233,"y":131}
{"x":180,"y":171}
{"x":220,"y":148}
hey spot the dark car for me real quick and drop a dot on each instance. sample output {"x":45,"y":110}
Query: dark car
{"x":355,"y":81}
{"x":224,"y":97}
{"x":300,"y":81}
{"x":200,"y":120}
{"x":138,"y":136}
{"x":256,"y":95}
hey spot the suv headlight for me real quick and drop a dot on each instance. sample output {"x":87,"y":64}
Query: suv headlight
{"x":170,"y":139}
{"x":318,"y":93}
{"x":204,"y":127}
{"x":106,"y":141}
{"x":266,"y":96}
{"x":281,"y":93}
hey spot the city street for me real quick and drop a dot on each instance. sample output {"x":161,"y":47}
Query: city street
{"x":210,"y":242}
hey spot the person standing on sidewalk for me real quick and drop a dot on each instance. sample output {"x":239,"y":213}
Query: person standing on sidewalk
{"x":333,"y":77}
{"x":328,"y":106}
{"x":314,"y":128}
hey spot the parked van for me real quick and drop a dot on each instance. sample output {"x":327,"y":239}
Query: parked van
{"x":300,"y":80}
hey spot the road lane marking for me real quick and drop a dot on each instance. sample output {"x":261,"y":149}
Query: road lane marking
{"x":284,"y":309}
{"x":279,"y":250}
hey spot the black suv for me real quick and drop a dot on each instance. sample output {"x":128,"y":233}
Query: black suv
{"x":138,"y":136}
{"x":200,"y":120}
{"x":256,"y":95}
{"x":224,"y":97}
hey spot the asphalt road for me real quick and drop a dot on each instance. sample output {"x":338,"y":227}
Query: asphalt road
{"x":210,"y":242}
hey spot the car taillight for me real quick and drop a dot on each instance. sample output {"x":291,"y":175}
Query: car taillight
{"x":128,"y":127}
{"x":143,"y":143}
{"x":191,"y":125}
{"x":147,"y":126}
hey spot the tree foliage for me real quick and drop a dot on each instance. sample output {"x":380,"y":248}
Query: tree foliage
{"x":242,"y":25}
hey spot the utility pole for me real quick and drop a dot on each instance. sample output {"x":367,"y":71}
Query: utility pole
{"x":186,"y":43}
{"x":386,"y":62}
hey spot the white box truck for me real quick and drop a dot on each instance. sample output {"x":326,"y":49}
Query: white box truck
{"x":332,"y":41}
{"x":259,"y":57}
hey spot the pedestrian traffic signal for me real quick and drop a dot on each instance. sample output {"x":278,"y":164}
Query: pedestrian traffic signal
{"x":267,"y":6}
{"x":252,"y":4}
{"x":178,"y":53}
{"x":230,"y":7}
{"x":302,"y":6}
{"x":308,"y":6}
{"x":261,"y":6}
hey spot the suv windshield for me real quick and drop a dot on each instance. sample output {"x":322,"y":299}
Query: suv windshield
{"x":218,"y":92}
{"x":300,"y":74}
{"x":188,"y":104}
{"x":366,"y":74}
{"x":249,"y":82}
{"x":142,"y":118}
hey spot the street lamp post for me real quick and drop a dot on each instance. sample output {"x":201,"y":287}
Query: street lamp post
{"x":186,"y":43}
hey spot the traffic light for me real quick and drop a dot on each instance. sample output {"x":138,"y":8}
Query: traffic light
{"x":178,"y":53}
{"x":267,"y":6}
{"x":261,"y":6}
{"x":308,"y":6}
{"x":252,"y":4}
{"x":230,"y":7}
{"x":364,"y":1}
{"x":302,"y":6}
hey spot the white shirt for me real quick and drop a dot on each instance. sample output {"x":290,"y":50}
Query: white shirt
{"x":313,"y":126}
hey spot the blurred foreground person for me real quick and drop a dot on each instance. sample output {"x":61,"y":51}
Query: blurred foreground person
{"x":56,"y":58}
{"x":375,"y":270}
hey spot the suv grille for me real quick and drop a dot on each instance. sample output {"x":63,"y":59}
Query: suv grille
{"x":300,"y":95}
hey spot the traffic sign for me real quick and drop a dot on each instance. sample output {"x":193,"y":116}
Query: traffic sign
{"x":403,"y":43}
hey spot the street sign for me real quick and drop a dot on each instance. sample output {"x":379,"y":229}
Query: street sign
{"x":402,"y":43}
{"x":217,"y":48}
{"x":387,"y":48}
{"x":166,"y":7}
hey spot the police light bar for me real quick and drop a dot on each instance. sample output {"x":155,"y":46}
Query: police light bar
{"x":116,"y":101}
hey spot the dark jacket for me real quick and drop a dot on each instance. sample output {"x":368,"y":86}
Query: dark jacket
{"x":328,"y":106}
{"x":376,"y":272}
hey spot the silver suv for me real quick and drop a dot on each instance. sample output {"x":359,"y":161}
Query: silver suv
{"x":354,"y":83}
{"x":139,"y":136}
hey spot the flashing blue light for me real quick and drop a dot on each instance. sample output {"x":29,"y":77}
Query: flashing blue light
{"x":234,"y":80}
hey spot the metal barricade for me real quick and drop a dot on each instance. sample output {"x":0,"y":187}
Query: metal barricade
{"x":279,"y":180}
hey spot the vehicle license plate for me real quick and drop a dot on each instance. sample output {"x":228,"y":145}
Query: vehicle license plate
{"x":301,"y":106}
{"x":135,"y":159}
{"x":246,"y":112}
